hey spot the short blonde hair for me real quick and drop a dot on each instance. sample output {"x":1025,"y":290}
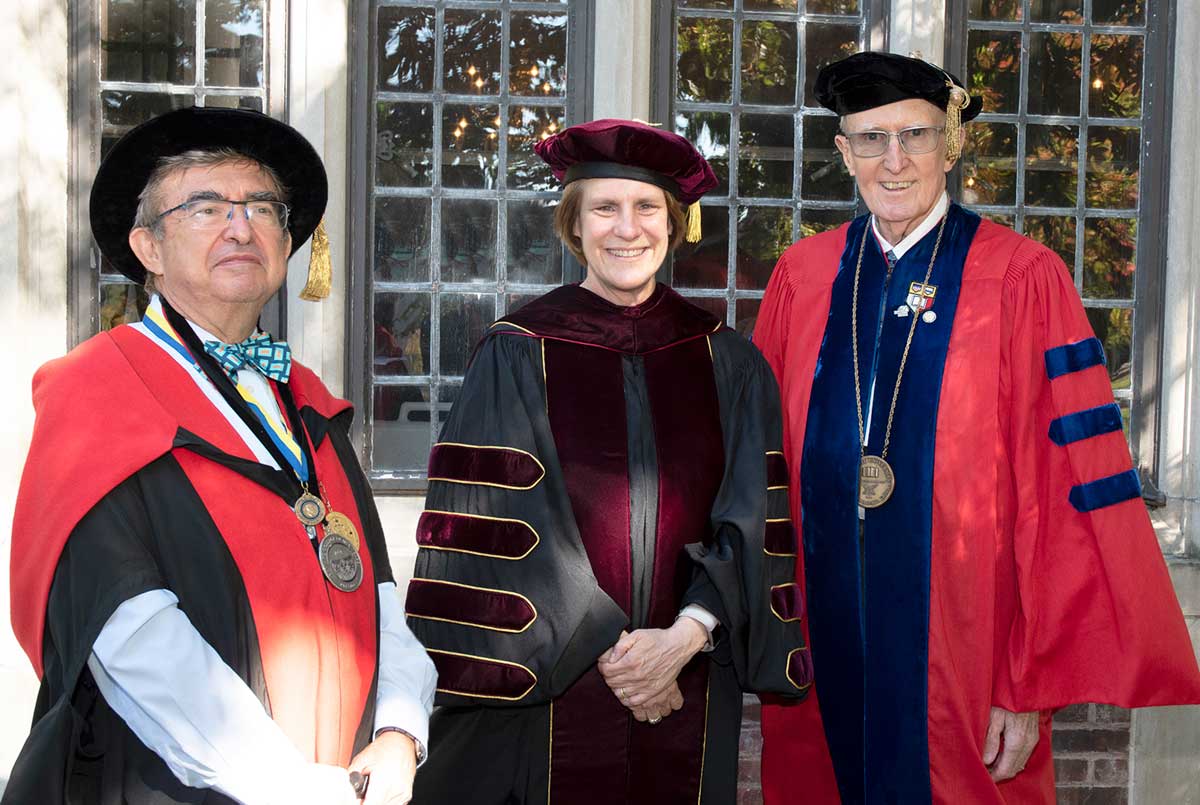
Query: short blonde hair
{"x":566,"y":215}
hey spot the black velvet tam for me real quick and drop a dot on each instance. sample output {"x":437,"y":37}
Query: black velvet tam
{"x":126,"y":169}
{"x":871,"y":79}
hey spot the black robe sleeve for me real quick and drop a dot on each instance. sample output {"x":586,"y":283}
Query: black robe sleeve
{"x":503,"y":596}
{"x":747,"y":577}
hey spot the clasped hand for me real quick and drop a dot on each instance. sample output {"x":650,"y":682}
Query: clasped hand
{"x":643,"y":666}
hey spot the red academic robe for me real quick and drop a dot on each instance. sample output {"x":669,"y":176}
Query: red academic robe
{"x":135,"y":481}
{"x":1014,"y":566}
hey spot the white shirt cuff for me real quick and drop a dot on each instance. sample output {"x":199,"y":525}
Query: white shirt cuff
{"x":704,"y":618}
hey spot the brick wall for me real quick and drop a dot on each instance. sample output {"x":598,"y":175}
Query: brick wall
{"x":1091,"y":755}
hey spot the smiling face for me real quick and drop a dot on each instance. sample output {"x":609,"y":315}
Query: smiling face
{"x":899,"y":188}
{"x":625,"y":232}
{"x":218,"y":278}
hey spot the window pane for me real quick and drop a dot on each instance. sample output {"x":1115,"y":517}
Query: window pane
{"x":725,"y":4}
{"x":989,"y":164}
{"x":526,"y":126}
{"x":464,"y":319}
{"x":401,"y":428}
{"x":769,"y":63}
{"x":1119,"y":12}
{"x":120,"y":111}
{"x":833,"y":7}
{"x":404,"y":46}
{"x":1056,"y":232}
{"x":1109,"y":249}
{"x":709,"y":132}
{"x":152,"y":41}
{"x":515,"y":301}
{"x":470,"y":145}
{"x":1064,"y":11}
{"x":814,"y":220}
{"x":705,"y":264}
{"x":401,"y":334}
{"x":747,"y":316}
{"x":1113,"y":159}
{"x":402,"y":239}
{"x":714,"y":305}
{"x":1003,"y":220}
{"x":994,"y":69}
{"x":825,"y":175}
{"x":765,"y":156}
{"x":1051,"y":162}
{"x":1114,"y":328}
{"x":472,"y":52}
{"x":121,"y":303}
{"x":773,"y":5}
{"x":234,"y":102}
{"x":825,"y":44}
{"x":704,"y":59}
{"x":468,"y":241}
{"x":534,"y":252}
{"x":404,"y":144}
{"x":538,"y":57}
{"x":1054,"y":71}
{"x":994,"y":9}
{"x":1116,"y":88}
{"x":763,"y":234}
{"x":233,"y":43}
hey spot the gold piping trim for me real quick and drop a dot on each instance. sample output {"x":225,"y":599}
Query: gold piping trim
{"x":550,"y":755}
{"x":774,"y":452}
{"x":537,"y":539}
{"x":510,"y":324}
{"x":498,"y":662}
{"x":771,"y":598}
{"x":704,"y":746}
{"x":777,"y":520}
{"x":720,"y":324}
{"x":486,"y":483}
{"x":481,"y":589}
{"x":708,"y":340}
{"x":773,"y":488}
{"x":787,"y":663}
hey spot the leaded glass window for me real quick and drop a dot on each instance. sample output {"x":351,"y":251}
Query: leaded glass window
{"x":148,"y":57}
{"x":458,"y":210}
{"x":742,"y":91}
{"x":1062,"y":151}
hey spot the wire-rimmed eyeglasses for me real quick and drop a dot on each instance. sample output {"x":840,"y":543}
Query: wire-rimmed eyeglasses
{"x":215,"y":213}
{"x":914,"y":140}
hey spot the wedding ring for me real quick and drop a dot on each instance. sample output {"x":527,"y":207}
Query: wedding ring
{"x":656,"y":719}
{"x":621,"y":694}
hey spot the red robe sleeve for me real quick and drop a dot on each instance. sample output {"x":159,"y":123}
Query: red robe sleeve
{"x":1086,"y":609}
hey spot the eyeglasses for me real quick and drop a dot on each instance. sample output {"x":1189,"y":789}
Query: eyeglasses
{"x":915,"y":140}
{"x":215,"y":213}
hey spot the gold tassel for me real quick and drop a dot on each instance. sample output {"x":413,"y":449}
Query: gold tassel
{"x":692,"y":235}
{"x":959,"y":100}
{"x":320,"y":267}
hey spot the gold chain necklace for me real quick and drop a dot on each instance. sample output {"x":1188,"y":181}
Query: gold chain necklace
{"x":876,"y":481}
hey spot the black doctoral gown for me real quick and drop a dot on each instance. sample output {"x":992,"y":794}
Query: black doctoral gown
{"x":603,"y":467}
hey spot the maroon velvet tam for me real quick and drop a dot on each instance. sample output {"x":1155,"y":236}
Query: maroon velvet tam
{"x":626,"y":149}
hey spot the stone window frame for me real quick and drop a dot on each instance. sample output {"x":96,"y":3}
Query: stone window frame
{"x":86,"y":281}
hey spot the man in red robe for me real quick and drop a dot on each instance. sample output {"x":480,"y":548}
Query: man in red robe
{"x":976,"y":551}
{"x":199,"y":576}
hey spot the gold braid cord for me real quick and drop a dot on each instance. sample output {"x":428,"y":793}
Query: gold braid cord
{"x":959,"y":100}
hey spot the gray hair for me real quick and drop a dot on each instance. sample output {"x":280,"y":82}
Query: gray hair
{"x":150,"y":199}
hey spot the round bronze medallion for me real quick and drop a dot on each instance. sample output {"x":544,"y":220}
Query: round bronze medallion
{"x":340,"y":562}
{"x":875,"y":482}
{"x":309,"y":509}
{"x":340,"y":524}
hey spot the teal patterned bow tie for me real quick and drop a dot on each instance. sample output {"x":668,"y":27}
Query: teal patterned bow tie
{"x":273,"y":359}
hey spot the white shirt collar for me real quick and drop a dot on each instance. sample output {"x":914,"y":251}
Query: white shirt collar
{"x":914,"y":237}
{"x":201,"y":333}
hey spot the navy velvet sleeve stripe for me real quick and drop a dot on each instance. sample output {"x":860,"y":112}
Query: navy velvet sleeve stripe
{"x":1106,"y":491}
{"x":1074,"y":357}
{"x":1085,"y":424}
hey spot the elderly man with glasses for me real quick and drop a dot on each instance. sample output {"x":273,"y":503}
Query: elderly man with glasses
{"x":199,"y":576}
{"x":976,"y":553}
